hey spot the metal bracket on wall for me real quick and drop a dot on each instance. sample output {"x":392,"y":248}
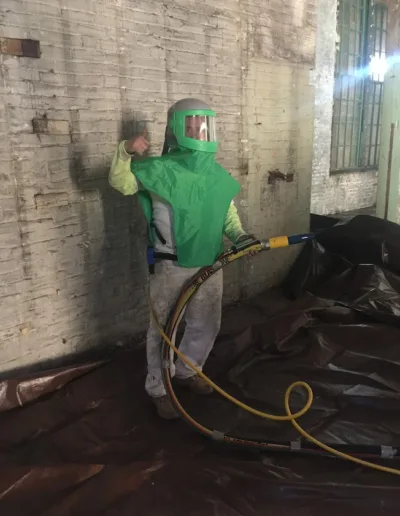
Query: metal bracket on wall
{"x":20,"y":47}
{"x":277,"y":175}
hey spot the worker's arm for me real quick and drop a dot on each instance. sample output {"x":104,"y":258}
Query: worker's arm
{"x":233,"y":227}
{"x":120,"y":176}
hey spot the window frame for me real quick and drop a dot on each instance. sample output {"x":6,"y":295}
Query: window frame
{"x":355,"y":87}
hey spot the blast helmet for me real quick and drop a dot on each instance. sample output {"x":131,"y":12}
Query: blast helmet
{"x":191,"y":125}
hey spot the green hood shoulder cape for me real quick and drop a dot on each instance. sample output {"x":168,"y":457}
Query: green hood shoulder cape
{"x":199,"y":191}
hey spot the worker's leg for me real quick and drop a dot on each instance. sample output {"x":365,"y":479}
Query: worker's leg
{"x":165,"y":286}
{"x":203,"y":321}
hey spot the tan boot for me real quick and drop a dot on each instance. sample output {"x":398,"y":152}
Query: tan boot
{"x":164,"y":407}
{"x":196,"y":384}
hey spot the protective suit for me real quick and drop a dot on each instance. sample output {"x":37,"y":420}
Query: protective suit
{"x":200,"y":192}
{"x":187,"y":198}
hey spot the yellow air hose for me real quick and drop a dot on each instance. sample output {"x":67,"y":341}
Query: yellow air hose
{"x":289,"y":416}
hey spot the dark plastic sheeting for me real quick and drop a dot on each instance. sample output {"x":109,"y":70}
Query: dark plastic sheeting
{"x":85,"y":440}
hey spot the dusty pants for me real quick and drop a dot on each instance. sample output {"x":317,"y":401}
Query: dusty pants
{"x":202,"y":318}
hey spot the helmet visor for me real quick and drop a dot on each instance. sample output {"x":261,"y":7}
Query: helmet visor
{"x":201,"y":128}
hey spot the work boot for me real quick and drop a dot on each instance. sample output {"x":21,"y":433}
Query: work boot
{"x":164,"y":407}
{"x":195,"y":384}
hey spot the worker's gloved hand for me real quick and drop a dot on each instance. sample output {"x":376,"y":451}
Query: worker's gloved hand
{"x":247,"y":238}
{"x":244,"y":238}
{"x":137,"y":144}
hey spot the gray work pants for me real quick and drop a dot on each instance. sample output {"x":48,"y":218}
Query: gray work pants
{"x":202,"y":317}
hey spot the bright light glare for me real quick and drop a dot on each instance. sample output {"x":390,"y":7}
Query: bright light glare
{"x":378,"y":67}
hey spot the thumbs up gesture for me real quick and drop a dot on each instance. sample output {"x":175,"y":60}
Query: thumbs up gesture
{"x":137,"y":144}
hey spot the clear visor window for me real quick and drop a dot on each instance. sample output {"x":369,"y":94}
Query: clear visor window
{"x":200,"y":128}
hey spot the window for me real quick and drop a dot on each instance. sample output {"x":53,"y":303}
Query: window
{"x":360,"y":63}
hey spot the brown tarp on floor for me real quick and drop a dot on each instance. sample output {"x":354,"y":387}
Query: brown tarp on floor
{"x":85,"y":440}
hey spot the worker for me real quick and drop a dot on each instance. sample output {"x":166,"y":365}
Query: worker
{"x":187,"y":198}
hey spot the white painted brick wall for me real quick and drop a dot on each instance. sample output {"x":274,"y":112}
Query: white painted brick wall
{"x":72,"y":251}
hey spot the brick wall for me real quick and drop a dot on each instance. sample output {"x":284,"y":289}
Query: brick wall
{"x":348,"y":190}
{"x":72,"y":252}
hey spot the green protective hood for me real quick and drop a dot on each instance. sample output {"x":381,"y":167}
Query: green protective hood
{"x":199,"y":191}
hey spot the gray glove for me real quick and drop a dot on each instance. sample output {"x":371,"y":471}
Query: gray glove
{"x":245,"y":238}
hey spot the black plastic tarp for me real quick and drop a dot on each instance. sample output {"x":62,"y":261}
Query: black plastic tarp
{"x":85,"y":440}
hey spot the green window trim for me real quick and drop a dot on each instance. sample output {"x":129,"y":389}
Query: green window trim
{"x":362,"y":29}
